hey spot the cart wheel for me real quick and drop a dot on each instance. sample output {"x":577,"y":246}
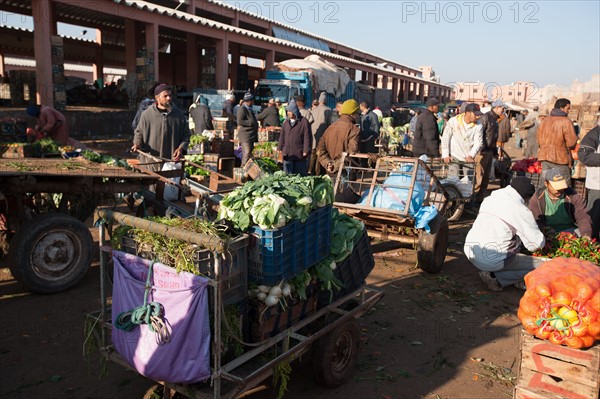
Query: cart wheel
{"x":51,"y":253}
{"x":455,"y":205}
{"x":433,"y":246}
{"x":335,"y":355}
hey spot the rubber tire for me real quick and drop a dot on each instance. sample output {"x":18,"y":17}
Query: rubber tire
{"x":455,"y":205}
{"x":330,"y":369}
{"x":432,"y":247}
{"x":39,"y":231}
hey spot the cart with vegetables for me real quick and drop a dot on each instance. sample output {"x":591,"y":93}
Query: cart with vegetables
{"x":43,"y":205}
{"x":289,"y":307}
{"x":397,"y":198}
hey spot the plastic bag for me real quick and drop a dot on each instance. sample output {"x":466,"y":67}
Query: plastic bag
{"x":171,"y":192}
{"x":562,"y":302}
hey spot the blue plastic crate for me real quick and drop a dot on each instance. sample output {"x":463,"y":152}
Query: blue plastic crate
{"x":282,"y":253}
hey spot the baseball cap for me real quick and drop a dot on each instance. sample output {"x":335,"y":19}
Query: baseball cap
{"x":556,"y":179}
{"x":432,"y":101}
{"x":498,"y":103}
{"x":473,"y":108}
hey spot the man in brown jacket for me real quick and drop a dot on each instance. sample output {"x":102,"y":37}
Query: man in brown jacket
{"x":342,"y":136}
{"x":560,"y":207}
{"x":556,"y":137}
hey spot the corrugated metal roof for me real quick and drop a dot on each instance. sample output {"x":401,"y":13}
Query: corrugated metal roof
{"x":154,"y":8}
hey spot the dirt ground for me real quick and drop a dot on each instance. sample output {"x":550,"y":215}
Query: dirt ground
{"x":431,"y":336}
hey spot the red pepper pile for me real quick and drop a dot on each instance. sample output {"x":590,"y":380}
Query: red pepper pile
{"x":530,"y":165}
{"x":567,"y":245}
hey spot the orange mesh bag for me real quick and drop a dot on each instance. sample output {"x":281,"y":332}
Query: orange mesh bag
{"x":562,"y":302}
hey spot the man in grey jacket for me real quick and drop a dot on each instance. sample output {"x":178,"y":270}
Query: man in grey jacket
{"x":162,"y":130}
{"x":589,"y":155}
{"x":321,"y":121}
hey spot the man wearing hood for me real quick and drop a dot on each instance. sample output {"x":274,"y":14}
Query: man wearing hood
{"x":200,"y":116}
{"x":342,"y":136}
{"x":162,"y":130}
{"x":556,"y":137}
{"x":505,"y":224}
{"x":295,"y":141}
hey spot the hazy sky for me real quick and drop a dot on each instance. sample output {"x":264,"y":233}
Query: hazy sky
{"x":489,"y":41}
{"x":542,"y":42}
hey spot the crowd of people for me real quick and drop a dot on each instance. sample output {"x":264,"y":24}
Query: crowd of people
{"x":509,"y":219}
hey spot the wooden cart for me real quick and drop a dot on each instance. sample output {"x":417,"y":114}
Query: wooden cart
{"x":45,"y":202}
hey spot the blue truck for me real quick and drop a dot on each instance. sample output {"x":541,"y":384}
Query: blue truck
{"x":286,"y":85}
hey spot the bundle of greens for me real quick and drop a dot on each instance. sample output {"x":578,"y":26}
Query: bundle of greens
{"x":273,"y":201}
{"x":191,"y":170}
{"x":105,"y":159}
{"x":170,"y":251}
{"x":267,"y":165}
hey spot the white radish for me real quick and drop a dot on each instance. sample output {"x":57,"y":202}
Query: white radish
{"x":264,"y":288}
{"x":271,"y":300}
{"x":286,"y":290}
{"x":261,"y":296}
{"x":275,"y":291}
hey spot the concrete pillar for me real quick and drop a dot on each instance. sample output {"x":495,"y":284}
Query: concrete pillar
{"x":395,"y":94}
{"x":384,"y":83}
{"x":98,"y":66}
{"x":130,"y":45}
{"x":236,"y":19}
{"x":193,"y":5}
{"x":2,"y":71}
{"x":42,"y":30}
{"x":269,"y":59}
{"x":421,"y":87}
{"x":234,"y":49}
{"x":375,"y":80}
{"x":152,"y":46}
{"x":352,"y":73}
{"x":191,"y":62}
{"x":222,"y":62}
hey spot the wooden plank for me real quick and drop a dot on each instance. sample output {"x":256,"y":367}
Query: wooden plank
{"x":564,"y":388}
{"x":530,"y":393}
{"x":560,"y":368}
{"x":589,"y":358}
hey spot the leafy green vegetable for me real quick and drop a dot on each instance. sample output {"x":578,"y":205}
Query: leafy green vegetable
{"x":192,"y":170}
{"x":267,"y":165}
{"x":196,"y":139}
{"x":93,"y":156}
{"x":274,"y":200}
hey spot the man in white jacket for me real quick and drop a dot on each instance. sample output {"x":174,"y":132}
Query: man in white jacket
{"x":462,"y":140}
{"x":503,"y":225}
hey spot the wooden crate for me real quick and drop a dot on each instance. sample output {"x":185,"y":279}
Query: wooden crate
{"x":553,"y":371}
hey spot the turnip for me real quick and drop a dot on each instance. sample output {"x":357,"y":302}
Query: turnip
{"x":261,"y":296}
{"x":286,"y":290}
{"x":275,"y":291}
{"x":264,"y":288}
{"x":271,"y":300}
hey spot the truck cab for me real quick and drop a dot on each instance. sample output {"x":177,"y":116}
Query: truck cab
{"x":283,"y":85}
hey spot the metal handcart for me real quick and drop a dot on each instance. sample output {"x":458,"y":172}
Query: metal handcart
{"x":458,"y":180}
{"x":355,"y":182}
{"x":333,"y":328}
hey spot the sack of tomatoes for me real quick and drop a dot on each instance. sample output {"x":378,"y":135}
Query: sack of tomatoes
{"x":529,"y":165}
{"x":562,"y":302}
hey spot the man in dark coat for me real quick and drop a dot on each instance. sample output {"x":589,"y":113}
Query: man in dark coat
{"x":485,"y":157}
{"x":247,"y":128}
{"x":200,"y":116}
{"x":228,"y":112}
{"x":162,"y":130}
{"x":295,"y":141}
{"x":427,"y":136}
{"x":589,"y":155}
{"x":270,"y":115}
{"x":369,"y":129}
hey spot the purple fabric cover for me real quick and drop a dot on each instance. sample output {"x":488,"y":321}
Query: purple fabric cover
{"x":184,"y":296}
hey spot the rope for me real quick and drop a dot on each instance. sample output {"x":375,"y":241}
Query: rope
{"x":149,"y":313}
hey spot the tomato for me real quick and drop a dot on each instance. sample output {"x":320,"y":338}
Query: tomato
{"x":562,"y":298}
{"x":574,"y":342}
{"x":588,"y":340}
